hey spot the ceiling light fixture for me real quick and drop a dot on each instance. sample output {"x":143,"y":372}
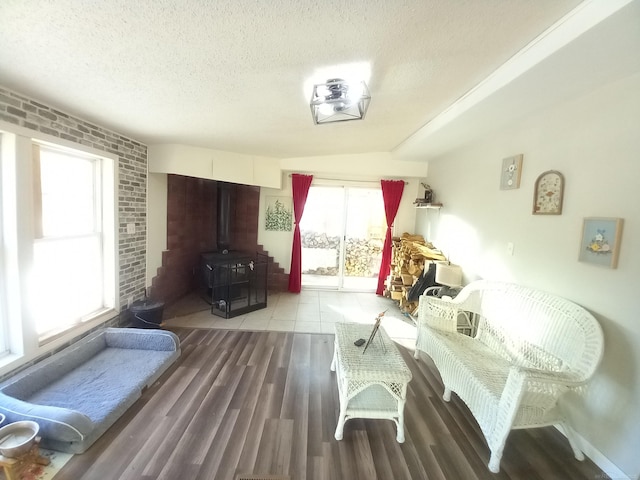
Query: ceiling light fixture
{"x":339,"y":101}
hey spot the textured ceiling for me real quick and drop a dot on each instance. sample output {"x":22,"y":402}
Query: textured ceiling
{"x":236,"y":74}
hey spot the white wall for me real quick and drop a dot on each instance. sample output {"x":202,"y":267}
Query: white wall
{"x":214,"y":164}
{"x":278,"y":244}
{"x":595,"y":142}
{"x":156,"y":222}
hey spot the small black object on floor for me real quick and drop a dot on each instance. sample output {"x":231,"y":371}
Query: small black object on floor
{"x":146,"y":314}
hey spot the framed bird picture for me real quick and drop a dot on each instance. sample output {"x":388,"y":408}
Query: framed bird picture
{"x":600,"y":242}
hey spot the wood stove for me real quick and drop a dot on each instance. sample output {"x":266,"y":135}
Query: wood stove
{"x":234,"y":283}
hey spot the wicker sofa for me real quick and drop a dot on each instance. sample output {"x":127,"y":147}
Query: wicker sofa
{"x":529,"y":349}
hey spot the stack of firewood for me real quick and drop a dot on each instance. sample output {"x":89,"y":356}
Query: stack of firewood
{"x":409,"y":254}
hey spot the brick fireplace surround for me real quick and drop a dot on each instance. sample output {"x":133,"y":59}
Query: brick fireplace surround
{"x":191,"y":230}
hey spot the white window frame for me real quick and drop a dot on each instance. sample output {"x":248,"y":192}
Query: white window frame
{"x":4,"y":341}
{"x":103,"y":230}
{"x":16,"y":247}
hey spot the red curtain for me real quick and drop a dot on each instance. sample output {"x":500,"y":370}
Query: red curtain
{"x":300,"y":185}
{"x":391,"y":193}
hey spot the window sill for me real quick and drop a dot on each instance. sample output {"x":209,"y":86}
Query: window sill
{"x":15,"y":362}
{"x":76,"y":329}
{"x":9,"y":360}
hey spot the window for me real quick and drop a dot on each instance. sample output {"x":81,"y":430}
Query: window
{"x":58,"y":242}
{"x":73,"y":239}
{"x":68,"y":278}
{"x":4,"y":347}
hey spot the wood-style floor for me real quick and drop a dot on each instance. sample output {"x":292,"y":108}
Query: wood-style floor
{"x":266,"y":403}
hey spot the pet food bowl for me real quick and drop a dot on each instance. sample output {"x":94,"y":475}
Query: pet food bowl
{"x":17,"y":438}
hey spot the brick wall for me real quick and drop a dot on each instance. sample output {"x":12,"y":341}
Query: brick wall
{"x":132,"y":189}
{"x":244,"y":228}
{"x":191,"y":230}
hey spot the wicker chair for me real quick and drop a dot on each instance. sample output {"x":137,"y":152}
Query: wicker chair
{"x":530,"y":348}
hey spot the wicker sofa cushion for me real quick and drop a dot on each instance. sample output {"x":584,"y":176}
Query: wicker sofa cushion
{"x":518,"y":350}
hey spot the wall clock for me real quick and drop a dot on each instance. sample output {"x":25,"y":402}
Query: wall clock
{"x":548,"y":193}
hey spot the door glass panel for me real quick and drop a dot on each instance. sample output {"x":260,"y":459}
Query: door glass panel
{"x":321,"y":232}
{"x":342,"y":232}
{"x":364,"y":238}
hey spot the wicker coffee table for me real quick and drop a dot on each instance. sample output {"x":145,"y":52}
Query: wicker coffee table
{"x":370,"y":385}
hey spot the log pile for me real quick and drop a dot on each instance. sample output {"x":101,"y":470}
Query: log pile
{"x":362,"y":255}
{"x":409,"y":254}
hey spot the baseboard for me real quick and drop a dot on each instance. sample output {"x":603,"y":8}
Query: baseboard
{"x":606,"y":465}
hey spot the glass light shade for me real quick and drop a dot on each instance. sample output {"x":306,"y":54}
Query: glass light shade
{"x":337,"y":101}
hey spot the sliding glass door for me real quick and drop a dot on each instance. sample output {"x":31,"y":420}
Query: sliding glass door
{"x":342,"y":236}
{"x":364,"y":237}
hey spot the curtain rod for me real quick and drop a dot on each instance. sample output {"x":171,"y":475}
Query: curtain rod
{"x":353,"y":181}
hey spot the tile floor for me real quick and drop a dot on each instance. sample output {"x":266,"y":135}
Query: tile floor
{"x":310,"y":311}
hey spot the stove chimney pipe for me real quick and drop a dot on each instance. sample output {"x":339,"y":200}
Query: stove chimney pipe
{"x":224,"y":217}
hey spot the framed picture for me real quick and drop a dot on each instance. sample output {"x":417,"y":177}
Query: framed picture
{"x":279,"y":214}
{"x":511,"y":172}
{"x":548,"y":193}
{"x":376,"y":326}
{"x":600,"y":241}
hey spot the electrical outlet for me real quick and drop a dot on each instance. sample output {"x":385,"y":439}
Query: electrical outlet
{"x":131,"y":228}
{"x":129,"y":302}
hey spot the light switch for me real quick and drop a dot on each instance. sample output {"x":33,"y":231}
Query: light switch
{"x":510,"y":248}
